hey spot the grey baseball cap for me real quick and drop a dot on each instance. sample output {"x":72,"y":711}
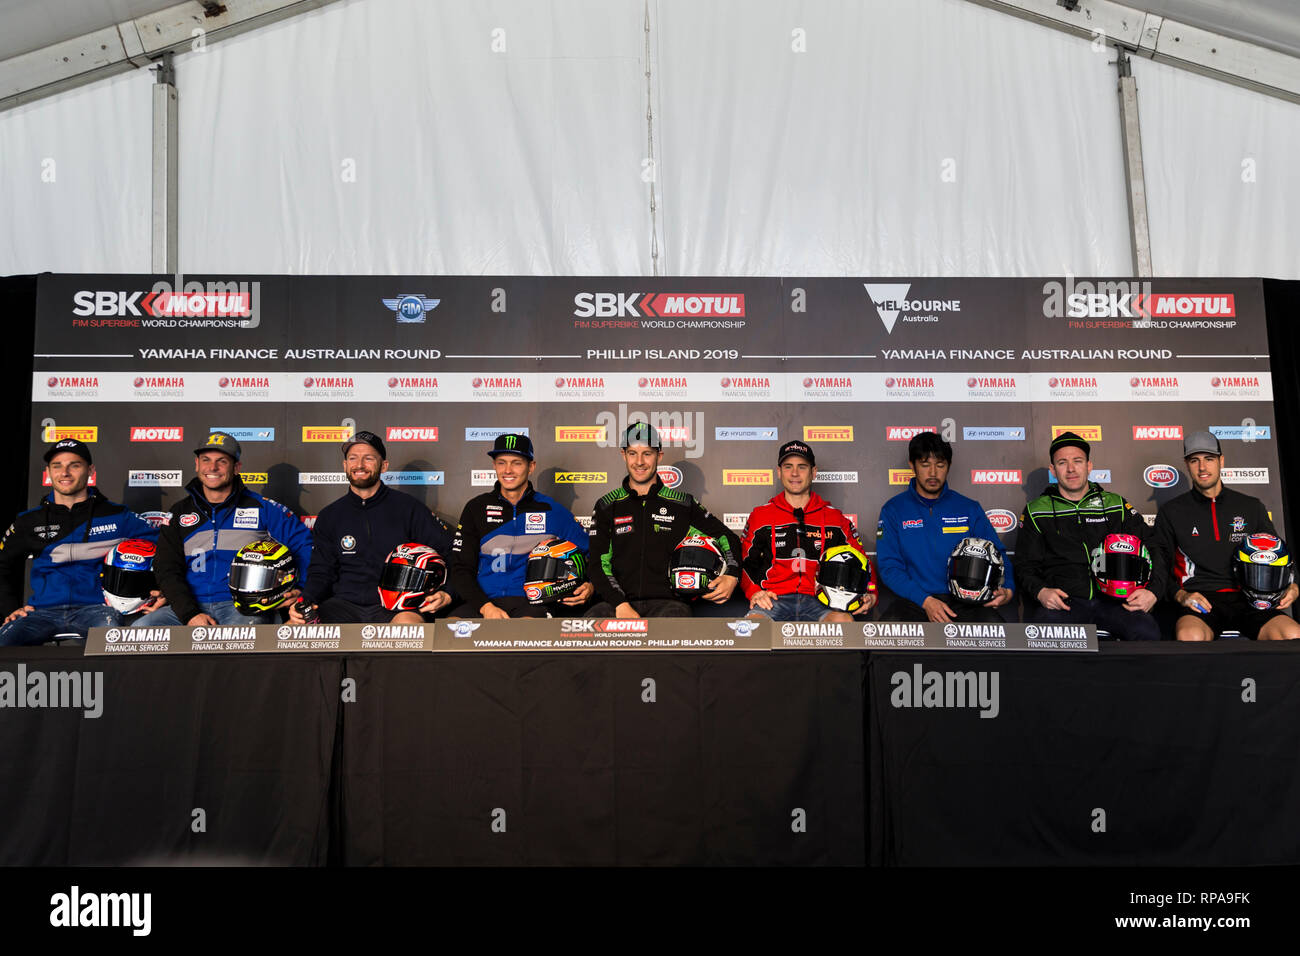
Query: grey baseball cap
{"x":1201,"y":443}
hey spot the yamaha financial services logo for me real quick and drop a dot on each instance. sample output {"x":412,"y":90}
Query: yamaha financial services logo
{"x":950,"y":630}
{"x":744,"y":628}
{"x":368,"y":632}
{"x":411,"y":307}
{"x":1031,"y":631}
{"x":868,"y":630}
{"x":462,"y":628}
{"x":284,"y":632}
{"x":199,"y":634}
{"x":787,"y":630}
{"x":113,"y":635}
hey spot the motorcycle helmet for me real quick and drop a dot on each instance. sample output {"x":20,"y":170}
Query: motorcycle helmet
{"x":261,"y":574}
{"x":555,"y":570}
{"x":696,"y":565}
{"x":843,"y":577}
{"x":127,"y":575}
{"x":1263,"y":569}
{"x":975,"y":570}
{"x":1121,"y":565}
{"x":411,"y":573}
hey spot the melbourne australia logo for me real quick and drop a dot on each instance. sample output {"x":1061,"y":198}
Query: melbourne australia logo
{"x":891,"y":304}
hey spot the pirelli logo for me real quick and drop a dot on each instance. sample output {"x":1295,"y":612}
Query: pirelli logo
{"x":254,"y":477}
{"x":900,"y":476}
{"x":312,"y":433}
{"x":86,"y":433}
{"x":582,"y":478}
{"x":828,"y":433}
{"x":747,"y":476}
{"x":579,"y":432}
{"x":1086,"y":432}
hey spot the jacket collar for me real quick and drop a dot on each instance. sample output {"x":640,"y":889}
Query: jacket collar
{"x":815,"y":503}
{"x":1054,"y":491}
{"x":528,"y":493}
{"x":654,"y":486}
{"x":356,"y":501}
{"x":927,"y":502}
{"x":195,"y":488}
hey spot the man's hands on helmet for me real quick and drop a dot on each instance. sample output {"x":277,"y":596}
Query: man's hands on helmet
{"x":435,"y":602}
{"x":1289,"y":597}
{"x":585,"y":590}
{"x":1002,"y":596}
{"x":938,"y":611}
{"x":1140,"y":600}
{"x":156,"y":600}
{"x":721,"y":589}
{"x":868,"y":602}
{"x":1054,"y":599}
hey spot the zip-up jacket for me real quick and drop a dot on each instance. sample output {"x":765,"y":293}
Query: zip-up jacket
{"x":490,"y":552}
{"x":354,"y":536}
{"x":68,"y":547}
{"x":782,"y":548}
{"x":916,"y":535}
{"x":1054,"y":548}
{"x":200,"y":540}
{"x":633,"y":538}
{"x":1196,"y":537}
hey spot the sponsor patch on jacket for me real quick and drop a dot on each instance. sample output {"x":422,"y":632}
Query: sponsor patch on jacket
{"x":956,"y":525}
{"x":623,"y":519}
{"x":246,"y":517}
{"x":535,"y":521}
{"x":914,"y":523}
{"x":189,"y":520}
{"x":622,"y":529}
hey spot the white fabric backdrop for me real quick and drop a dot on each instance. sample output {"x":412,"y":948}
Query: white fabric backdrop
{"x":95,"y":214}
{"x":1212,"y":214}
{"x":910,"y":137}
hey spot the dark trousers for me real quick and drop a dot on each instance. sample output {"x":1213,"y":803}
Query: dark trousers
{"x":1107,"y":614}
{"x":905,"y":610}
{"x":645,"y":607}
{"x":516,"y":605}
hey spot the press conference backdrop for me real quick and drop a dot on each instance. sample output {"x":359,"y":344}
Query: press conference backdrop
{"x":728,"y":368}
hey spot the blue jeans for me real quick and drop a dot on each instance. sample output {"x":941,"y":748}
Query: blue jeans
{"x":40,"y":625}
{"x":794,"y":607}
{"x":223,"y":611}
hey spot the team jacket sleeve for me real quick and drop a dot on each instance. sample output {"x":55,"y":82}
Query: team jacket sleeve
{"x":13,"y":562}
{"x":1135,"y":524}
{"x":136,"y":527}
{"x":324,"y":568}
{"x":427,"y":529}
{"x":889,"y":558}
{"x":983,"y":528}
{"x":287,"y":528}
{"x":728,"y":543}
{"x":602,"y":556}
{"x":573,"y":532}
{"x":1162,"y":543}
{"x":756,"y":550}
{"x":1029,"y":557}
{"x":169,"y":567}
{"x":464,"y":560}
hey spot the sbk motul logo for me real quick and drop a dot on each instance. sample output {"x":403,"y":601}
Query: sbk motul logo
{"x":1157,"y":432}
{"x":906,"y":432}
{"x":985,"y":476}
{"x":606,"y":626}
{"x":91,"y":302}
{"x":659,"y":304}
{"x":411,"y":433}
{"x":150,"y":433}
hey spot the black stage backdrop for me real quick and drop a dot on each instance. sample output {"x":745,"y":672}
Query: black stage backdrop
{"x":18,"y":315}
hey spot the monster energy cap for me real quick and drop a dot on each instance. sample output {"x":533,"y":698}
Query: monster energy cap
{"x":520,"y":445}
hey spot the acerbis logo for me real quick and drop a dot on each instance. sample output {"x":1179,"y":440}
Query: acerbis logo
{"x":659,"y":305}
{"x":411,"y":433}
{"x":990,"y":476}
{"x":1156,"y":433}
{"x":1160,"y":476}
{"x":581,"y":477}
{"x":1003,"y":521}
{"x":905,"y":432}
{"x":411,"y":306}
{"x":891,"y":302}
{"x":670,"y":475}
{"x":157,"y":433}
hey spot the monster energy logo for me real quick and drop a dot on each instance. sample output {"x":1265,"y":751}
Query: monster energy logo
{"x":510,"y":441}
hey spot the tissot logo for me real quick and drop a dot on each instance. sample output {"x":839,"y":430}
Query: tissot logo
{"x":1245,"y":476}
{"x":828,"y":433}
{"x":83,"y":433}
{"x":411,"y":433}
{"x":412,"y":381}
{"x":1089,"y":433}
{"x":578,"y":381}
{"x":989,"y":476}
{"x":1156,"y":432}
{"x":153,"y":479}
{"x":659,"y":304}
{"x":906,"y":432}
{"x":891,"y":302}
{"x":157,"y":433}
{"x":580,"y":433}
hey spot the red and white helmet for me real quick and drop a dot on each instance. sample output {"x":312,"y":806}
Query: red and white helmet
{"x":127,"y":575}
{"x":411,"y":573}
{"x":1121,"y":565}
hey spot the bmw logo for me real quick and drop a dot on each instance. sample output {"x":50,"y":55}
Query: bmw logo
{"x":1031,"y":631}
{"x":284,"y":632}
{"x":368,"y":632}
{"x":787,"y":630}
{"x":199,"y":634}
{"x":347,"y":543}
{"x":950,"y":630}
{"x":113,"y":635}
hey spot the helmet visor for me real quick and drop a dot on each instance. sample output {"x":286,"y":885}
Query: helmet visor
{"x":1127,"y":567}
{"x":404,"y":577}
{"x":253,"y":578}
{"x":1263,"y":578}
{"x":697,"y":559}
{"x":848,"y":576}
{"x":971,"y":573}
{"x":128,"y":582}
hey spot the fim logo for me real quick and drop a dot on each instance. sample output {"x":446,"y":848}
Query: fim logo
{"x":411,"y":307}
{"x":744,"y":628}
{"x":462,"y":628}
{"x":952,"y":690}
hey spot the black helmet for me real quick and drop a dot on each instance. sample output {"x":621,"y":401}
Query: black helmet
{"x":697,"y":563}
{"x":974,"y":571}
{"x":554,"y":571}
{"x":1263,"y":569}
{"x":843,"y":577}
{"x":261,"y":574}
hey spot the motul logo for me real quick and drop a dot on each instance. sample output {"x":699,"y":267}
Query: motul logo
{"x":654,"y":381}
{"x":1165,"y":303}
{"x":411,"y":433}
{"x":658,"y":304}
{"x":978,"y":381}
{"x":816,"y":381}
{"x":909,"y":381}
{"x":498,"y":381}
{"x":1157,"y":432}
{"x":1156,"y":381}
{"x":406,"y":381}
{"x":1073,"y":381}
{"x":244,"y":381}
{"x":584,"y":381}
{"x":101,"y":303}
{"x":906,"y":432}
{"x":148,"y":433}
{"x":1235,"y":381}
{"x":983,"y":476}
{"x":73,"y":381}
{"x":147,"y":381}
{"x":746,"y":381}
{"x":675,"y":432}
{"x":623,"y":626}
